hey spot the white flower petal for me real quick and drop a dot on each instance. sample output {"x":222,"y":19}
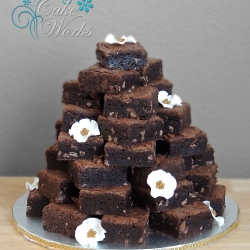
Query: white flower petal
{"x":112,"y":40}
{"x":94,"y":128}
{"x":176,"y":100}
{"x":218,"y":219}
{"x":83,"y":229}
{"x":167,"y":179}
{"x":32,"y":186}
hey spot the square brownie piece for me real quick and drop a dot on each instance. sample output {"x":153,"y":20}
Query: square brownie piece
{"x":182,"y":222}
{"x":204,"y":159}
{"x":105,"y":200}
{"x":35,"y":204}
{"x":72,"y":94}
{"x":85,"y":173}
{"x":51,"y":159}
{"x":56,"y":185}
{"x":141,"y":103}
{"x":70,"y":149}
{"x":128,"y":56}
{"x":62,"y":219}
{"x":58,"y":127}
{"x":128,"y":131}
{"x":204,"y":178}
{"x":217,"y":199}
{"x":101,"y":80}
{"x":142,"y":197}
{"x":141,"y":155}
{"x":152,"y":71}
{"x":190,"y":141}
{"x":129,"y":229}
{"x":72,"y":114}
{"x":162,"y":85}
{"x":173,"y":165}
{"x":176,"y":119}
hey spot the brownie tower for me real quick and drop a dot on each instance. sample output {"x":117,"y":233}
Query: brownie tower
{"x":133,"y":138}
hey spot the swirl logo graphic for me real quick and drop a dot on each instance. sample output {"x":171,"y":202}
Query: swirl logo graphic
{"x":27,"y":14}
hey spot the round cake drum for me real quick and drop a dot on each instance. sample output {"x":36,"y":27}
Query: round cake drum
{"x":32,"y":229}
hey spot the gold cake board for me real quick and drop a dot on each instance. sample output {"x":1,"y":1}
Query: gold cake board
{"x":31,"y":229}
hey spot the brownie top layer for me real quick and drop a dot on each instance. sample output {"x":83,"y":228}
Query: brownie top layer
{"x":34,"y":194}
{"x":66,"y":137}
{"x":142,"y":92}
{"x":129,"y":122}
{"x":188,"y":210}
{"x":210,"y":169}
{"x":65,"y":207}
{"x":132,"y":147}
{"x":98,"y":68}
{"x":135,"y":48}
{"x":53,"y":147}
{"x":119,"y":191}
{"x":56,"y":174}
{"x":71,"y":83}
{"x":85,"y":111}
{"x":83,"y":164}
{"x":217,"y":191}
{"x":189,"y":132}
{"x":175,"y":160}
{"x":135,"y":214}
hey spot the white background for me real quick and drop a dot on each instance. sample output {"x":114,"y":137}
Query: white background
{"x":205,"y":47}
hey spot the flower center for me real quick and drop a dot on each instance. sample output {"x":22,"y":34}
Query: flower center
{"x":166,"y":101}
{"x":160,"y":185}
{"x":84,"y":132}
{"x":91,"y":233}
{"x":214,"y":213}
{"x":120,"y":39}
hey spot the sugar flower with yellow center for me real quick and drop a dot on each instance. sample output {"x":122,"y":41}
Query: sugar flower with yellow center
{"x":32,"y":186}
{"x":112,"y":40}
{"x":218,"y":219}
{"x":168,"y":101}
{"x":162,"y":184}
{"x":83,"y":129}
{"x":90,"y":232}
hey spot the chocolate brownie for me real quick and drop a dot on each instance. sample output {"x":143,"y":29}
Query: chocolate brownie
{"x":58,"y":127}
{"x":182,"y":222}
{"x":127,"y":131}
{"x":176,"y":119}
{"x":128,"y":56}
{"x":105,"y":200}
{"x":190,"y":141}
{"x":143,"y":198}
{"x":51,"y":159}
{"x":56,"y":185}
{"x":72,"y":114}
{"x":62,"y":219}
{"x":72,"y":94}
{"x":204,"y":159}
{"x":203,"y":178}
{"x":101,"y":80}
{"x":85,"y":173}
{"x":129,"y":229}
{"x":152,"y":71}
{"x":217,"y":199}
{"x":141,"y":103}
{"x":162,"y":85}
{"x":173,"y":165}
{"x":135,"y":155}
{"x":70,"y":149}
{"x":35,"y":204}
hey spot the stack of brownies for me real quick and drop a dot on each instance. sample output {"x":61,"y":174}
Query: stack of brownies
{"x":106,"y":176}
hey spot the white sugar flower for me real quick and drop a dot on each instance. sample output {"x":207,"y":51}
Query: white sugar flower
{"x":219,"y":219}
{"x":90,"y":232}
{"x":83,"y":129}
{"x":168,"y":101}
{"x":162,"y":184}
{"x":112,"y":40}
{"x":32,"y":186}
